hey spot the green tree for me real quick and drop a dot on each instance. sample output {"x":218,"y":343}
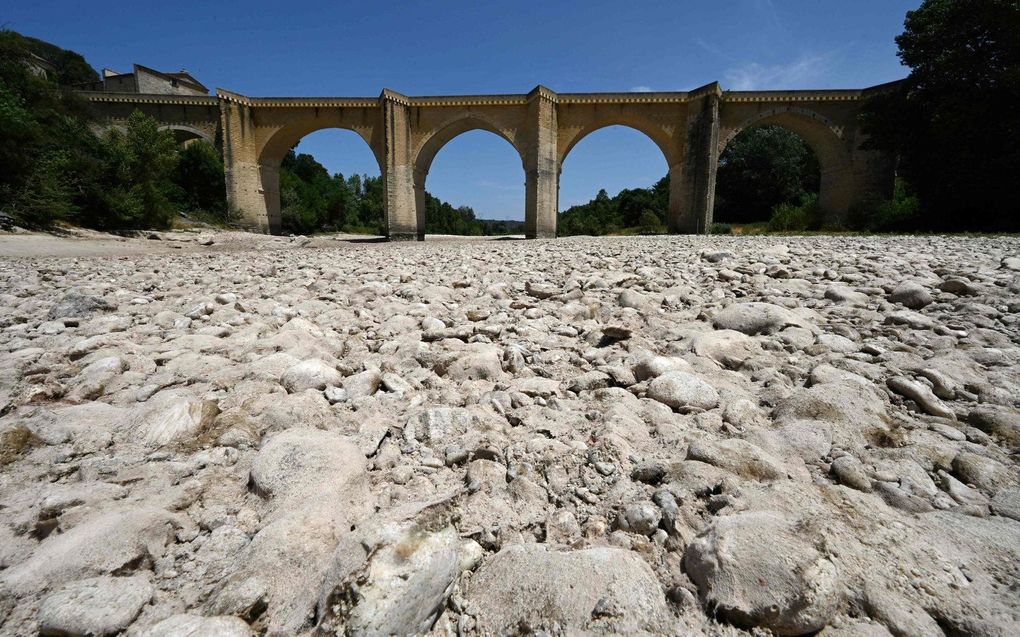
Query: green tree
{"x":141,"y":159}
{"x":649,"y":222}
{"x":199,"y":179}
{"x":47,"y":152}
{"x":632,"y":208}
{"x":953,"y":123}
{"x":761,"y":168}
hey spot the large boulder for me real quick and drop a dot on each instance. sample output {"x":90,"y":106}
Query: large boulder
{"x":297,"y":461}
{"x":403,"y":585}
{"x":94,"y":606}
{"x":173,"y":416}
{"x":910,"y":294}
{"x":682,"y":390}
{"x":317,"y":487}
{"x":857,"y":412}
{"x":109,"y":542}
{"x":281,"y":569}
{"x":1003,"y":422}
{"x":728,"y":348}
{"x":650,"y":367}
{"x":759,"y":570}
{"x":477,"y":361}
{"x":738,"y":456}
{"x":758,"y":318}
{"x":75,"y":305}
{"x":530,"y":587}
{"x":433,"y":426}
{"x":310,"y":374}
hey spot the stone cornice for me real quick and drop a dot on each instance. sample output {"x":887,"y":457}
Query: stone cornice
{"x":838,"y":95}
{"x":142,"y":98}
{"x":539,"y":92}
{"x":317,"y":102}
{"x":470,"y":100}
{"x":623,"y":98}
{"x":230,"y":96}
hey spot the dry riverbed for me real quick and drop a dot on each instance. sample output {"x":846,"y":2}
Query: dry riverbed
{"x":220,"y":433}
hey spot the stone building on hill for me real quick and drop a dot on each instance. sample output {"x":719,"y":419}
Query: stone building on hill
{"x":142,"y":79}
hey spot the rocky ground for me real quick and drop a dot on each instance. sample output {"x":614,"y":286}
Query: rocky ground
{"x":709,"y":435}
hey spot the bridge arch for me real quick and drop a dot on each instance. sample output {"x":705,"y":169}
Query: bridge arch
{"x":613,"y":158}
{"x":819,"y":132}
{"x":825,"y":138}
{"x":654,"y":133}
{"x":276,"y":146}
{"x":443,"y":134}
{"x":184,"y":133}
{"x":436,"y":140}
{"x":663,"y":124}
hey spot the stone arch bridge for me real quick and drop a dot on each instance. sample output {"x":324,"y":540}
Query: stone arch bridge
{"x":405,"y":133}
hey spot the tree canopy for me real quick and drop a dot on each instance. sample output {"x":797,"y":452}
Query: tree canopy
{"x":761,"y":168}
{"x":54,"y":167}
{"x":953,"y":123}
{"x":643,"y":209}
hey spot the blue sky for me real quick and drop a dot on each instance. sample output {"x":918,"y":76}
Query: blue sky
{"x":456,"y":47}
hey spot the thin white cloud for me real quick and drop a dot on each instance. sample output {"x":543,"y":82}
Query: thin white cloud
{"x":641,"y":89}
{"x":809,"y":70}
{"x":714,"y":50}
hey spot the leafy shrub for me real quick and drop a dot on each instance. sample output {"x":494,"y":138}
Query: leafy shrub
{"x":650,"y":223}
{"x":721,"y":228}
{"x":901,"y":213}
{"x":804,"y":216}
{"x":142,"y":159}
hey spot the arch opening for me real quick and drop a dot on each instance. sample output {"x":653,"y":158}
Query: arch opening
{"x":613,"y":179}
{"x":809,"y":149}
{"x":762,"y":167}
{"x":477,"y":185}
{"x":328,"y":181}
{"x":185,"y":135}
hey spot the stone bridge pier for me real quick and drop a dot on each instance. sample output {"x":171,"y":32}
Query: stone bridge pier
{"x":690,"y":128}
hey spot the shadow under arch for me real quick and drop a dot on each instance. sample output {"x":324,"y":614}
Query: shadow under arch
{"x":434,"y":143}
{"x":825,"y":140}
{"x":276,"y":147}
{"x":183,"y":133}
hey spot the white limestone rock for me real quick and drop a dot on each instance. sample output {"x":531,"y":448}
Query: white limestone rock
{"x":310,"y":374}
{"x":758,"y":569}
{"x":682,"y":390}
{"x":94,"y":606}
{"x":597,"y":589}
